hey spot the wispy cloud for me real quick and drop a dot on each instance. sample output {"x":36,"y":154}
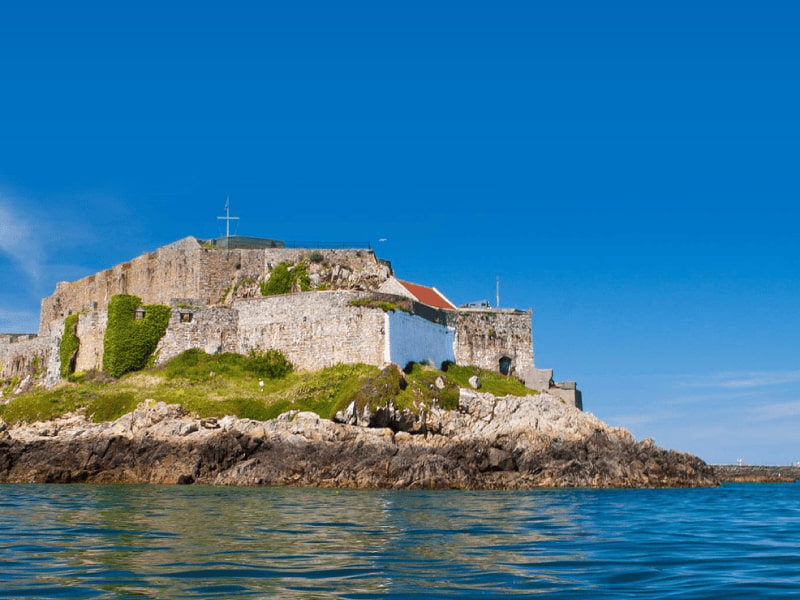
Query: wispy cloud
{"x":776,"y":411}
{"x":744,"y":379}
{"x":19,"y":241}
{"x":13,"y":320}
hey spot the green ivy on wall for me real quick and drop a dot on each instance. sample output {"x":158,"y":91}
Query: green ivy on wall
{"x":129,"y":342}
{"x":68,"y":349}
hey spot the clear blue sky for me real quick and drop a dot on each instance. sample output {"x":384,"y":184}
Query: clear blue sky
{"x":629,"y":169}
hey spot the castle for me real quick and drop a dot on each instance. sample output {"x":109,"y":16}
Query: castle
{"x":341,"y":306}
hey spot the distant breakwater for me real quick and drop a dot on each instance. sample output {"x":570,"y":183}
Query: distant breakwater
{"x":756,"y":474}
{"x":488,"y":443}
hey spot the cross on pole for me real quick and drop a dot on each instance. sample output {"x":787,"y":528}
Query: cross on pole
{"x":228,"y":218}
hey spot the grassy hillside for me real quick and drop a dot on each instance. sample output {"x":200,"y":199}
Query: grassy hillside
{"x":222,"y":384}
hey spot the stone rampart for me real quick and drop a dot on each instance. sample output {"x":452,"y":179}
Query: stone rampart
{"x":25,"y":357}
{"x":174,"y":270}
{"x":498,"y":340}
{"x":186,"y":269}
{"x":91,"y":332}
{"x":314,"y":329}
{"x":211,"y":329}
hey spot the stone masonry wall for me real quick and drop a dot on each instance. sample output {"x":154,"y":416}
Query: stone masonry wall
{"x":21,"y":356}
{"x":172,"y":271}
{"x":314,"y":329}
{"x":25,"y":357}
{"x":212,"y":329}
{"x":185,"y":269}
{"x":91,"y":332}
{"x":483,"y":337}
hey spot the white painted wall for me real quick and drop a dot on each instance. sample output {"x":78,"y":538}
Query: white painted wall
{"x":417,"y":339}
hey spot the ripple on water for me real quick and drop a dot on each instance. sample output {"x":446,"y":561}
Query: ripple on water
{"x":200,"y":542}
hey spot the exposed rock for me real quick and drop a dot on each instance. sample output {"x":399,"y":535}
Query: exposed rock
{"x":475,"y":382}
{"x":489,"y":443}
{"x":757,"y":474}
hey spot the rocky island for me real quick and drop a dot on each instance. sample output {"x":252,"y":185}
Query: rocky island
{"x":487,"y":443}
{"x":338,"y":374}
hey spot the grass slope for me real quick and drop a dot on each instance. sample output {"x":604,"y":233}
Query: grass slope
{"x":230,"y":384}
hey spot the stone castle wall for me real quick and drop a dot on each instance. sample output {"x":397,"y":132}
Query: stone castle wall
{"x":171,"y":271}
{"x":25,"y":357}
{"x":91,"y":331}
{"x":314,"y":329}
{"x":185,"y":269}
{"x":211,"y":329}
{"x":484,"y":337}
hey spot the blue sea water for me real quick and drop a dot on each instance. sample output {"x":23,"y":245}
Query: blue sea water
{"x":79,"y":541}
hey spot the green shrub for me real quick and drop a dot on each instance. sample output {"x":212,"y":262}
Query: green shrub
{"x":270,"y":364}
{"x":284,"y":278}
{"x":316,"y":257}
{"x":129,"y":342}
{"x":196,"y":365}
{"x":68,"y":349}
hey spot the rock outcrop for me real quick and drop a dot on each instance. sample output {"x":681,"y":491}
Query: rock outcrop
{"x":757,"y":474}
{"x":488,"y":443}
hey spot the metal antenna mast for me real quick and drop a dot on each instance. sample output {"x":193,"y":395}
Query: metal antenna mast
{"x":498,"y":291}
{"x":228,"y":218}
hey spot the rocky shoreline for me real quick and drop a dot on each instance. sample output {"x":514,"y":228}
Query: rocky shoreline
{"x":488,"y":443}
{"x":756,"y":474}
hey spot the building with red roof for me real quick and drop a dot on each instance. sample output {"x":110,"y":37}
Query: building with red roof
{"x":421,"y":293}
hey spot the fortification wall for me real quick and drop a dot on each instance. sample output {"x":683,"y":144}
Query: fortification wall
{"x":185,"y":269}
{"x":315,"y":329}
{"x":212,"y":329}
{"x":91,"y":332}
{"x":484,"y":337}
{"x":171,"y":271}
{"x":24,"y":357}
{"x":20,"y":356}
{"x":412,"y":338}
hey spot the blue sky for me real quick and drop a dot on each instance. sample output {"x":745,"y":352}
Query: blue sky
{"x":629,"y":170}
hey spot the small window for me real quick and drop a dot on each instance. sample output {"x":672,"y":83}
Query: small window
{"x":186,"y":317}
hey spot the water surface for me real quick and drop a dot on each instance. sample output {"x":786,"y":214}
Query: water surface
{"x":77,"y":541}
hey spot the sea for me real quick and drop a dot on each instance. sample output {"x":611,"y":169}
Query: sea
{"x":92,"y":541}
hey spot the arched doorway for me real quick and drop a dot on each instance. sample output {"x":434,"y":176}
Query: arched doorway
{"x":505,"y":365}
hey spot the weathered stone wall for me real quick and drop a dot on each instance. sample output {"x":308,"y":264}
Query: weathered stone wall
{"x":314,"y":329}
{"x":212,"y":329}
{"x":91,"y":332}
{"x":172,"y":271}
{"x":483,"y":337}
{"x":412,"y":338}
{"x":185,"y":269}
{"x":21,"y":355}
{"x":26,"y":357}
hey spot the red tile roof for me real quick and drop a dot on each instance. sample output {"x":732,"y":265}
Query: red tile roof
{"x":427,"y":295}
